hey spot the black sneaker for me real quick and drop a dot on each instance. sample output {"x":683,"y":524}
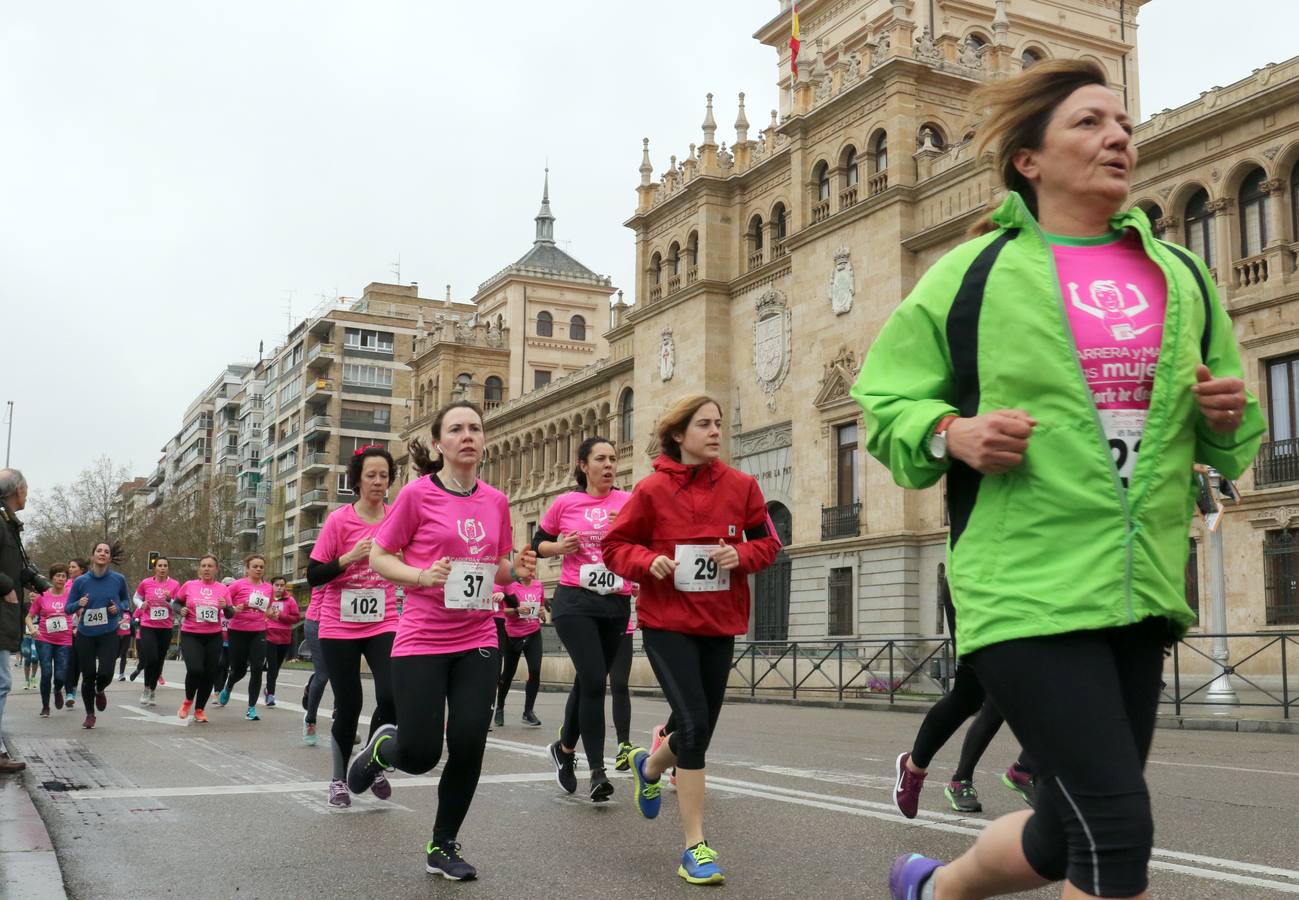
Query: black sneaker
{"x":134,"y":675}
{"x":564,"y":762}
{"x":364,"y":767}
{"x":500,"y":717}
{"x":601,"y":789}
{"x":963,"y":797}
{"x":530,"y":719}
{"x":444,"y":859}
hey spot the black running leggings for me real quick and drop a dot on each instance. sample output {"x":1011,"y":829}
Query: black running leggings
{"x":592,"y":644}
{"x":455,"y":688}
{"x":97,"y":655}
{"x":153,"y":646}
{"x":530,"y":648}
{"x":247,"y":652}
{"x":201,"y":653}
{"x":1083,"y":704}
{"x":343,"y":659}
{"x":73,"y":677}
{"x":692,"y":670}
{"x":275,"y":656}
{"x":619,"y":688}
{"x":123,"y":650}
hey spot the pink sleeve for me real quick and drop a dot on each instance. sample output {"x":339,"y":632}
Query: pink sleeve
{"x":399,"y":525}
{"x":505,"y":542}
{"x":325,"y":549}
{"x":550,"y":522}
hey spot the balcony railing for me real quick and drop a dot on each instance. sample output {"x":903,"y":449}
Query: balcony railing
{"x":319,"y":387}
{"x":779,"y":249}
{"x":1251,"y":271}
{"x":674,"y":284}
{"x":821,"y":211}
{"x":877,"y":183}
{"x":755,"y":259}
{"x":840,"y":521}
{"x":317,"y":423}
{"x":656,"y":293}
{"x":848,"y":197}
{"x":1277,"y":463}
{"x":366,"y":424}
{"x":311,"y":498}
{"x":692,"y":274}
{"x":308,"y":536}
{"x":320,"y":352}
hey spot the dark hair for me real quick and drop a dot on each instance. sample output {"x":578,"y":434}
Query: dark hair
{"x":115,"y":552}
{"x":82,"y":563}
{"x":419,"y":454}
{"x":356,"y":465}
{"x":584,"y":453}
{"x":58,"y":569}
{"x":1015,"y":112}
{"x":280,"y":578}
{"x":160,"y":558}
{"x":676,"y":419}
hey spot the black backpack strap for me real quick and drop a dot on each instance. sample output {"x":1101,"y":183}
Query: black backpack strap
{"x":1189,"y":261}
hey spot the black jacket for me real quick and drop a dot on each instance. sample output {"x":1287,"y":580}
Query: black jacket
{"x":12,"y":578}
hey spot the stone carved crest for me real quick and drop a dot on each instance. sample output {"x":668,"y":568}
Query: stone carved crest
{"x":841,"y":283}
{"x":667,"y":355}
{"x":837,"y":380}
{"x":771,"y":343}
{"x":926,"y":50}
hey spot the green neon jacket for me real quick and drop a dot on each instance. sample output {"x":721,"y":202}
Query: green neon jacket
{"x":1057,"y":544}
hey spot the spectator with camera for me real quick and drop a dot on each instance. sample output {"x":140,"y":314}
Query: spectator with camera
{"x":16,"y":572}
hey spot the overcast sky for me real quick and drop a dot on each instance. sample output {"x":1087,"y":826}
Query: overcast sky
{"x":170,"y":172}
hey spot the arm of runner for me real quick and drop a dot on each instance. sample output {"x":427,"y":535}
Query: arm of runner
{"x":625,"y":547}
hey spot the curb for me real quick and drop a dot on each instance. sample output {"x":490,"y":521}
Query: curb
{"x":29,"y":867}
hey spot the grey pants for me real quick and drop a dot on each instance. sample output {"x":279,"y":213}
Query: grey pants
{"x":320,"y":677}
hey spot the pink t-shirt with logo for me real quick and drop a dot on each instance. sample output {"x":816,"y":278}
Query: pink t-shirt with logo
{"x":428,"y":524}
{"x":279,"y":630}
{"x":51,"y":606}
{"x":156,"y":595}
{"x":518,"y":626}
{"x":124,"y":623}
{"x":246,"y":593}
{"x":355,"y":593}
{"x":577,"y":512}
{"x":201,"y":598}
{"x":1117,"y":298}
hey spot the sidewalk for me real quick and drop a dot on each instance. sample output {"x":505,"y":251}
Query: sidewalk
{"x":28,"y":866}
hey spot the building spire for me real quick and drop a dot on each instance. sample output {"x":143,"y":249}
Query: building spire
{"x":545,"y":220}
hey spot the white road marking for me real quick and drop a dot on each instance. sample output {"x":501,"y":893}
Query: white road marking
{"x":144,"y":715}
{"x":291,"y":787}
{"x":1185,"y":765}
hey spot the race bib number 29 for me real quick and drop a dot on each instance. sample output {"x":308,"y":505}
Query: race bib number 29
{"x":470,"y":585}
{"x":697,"y":571}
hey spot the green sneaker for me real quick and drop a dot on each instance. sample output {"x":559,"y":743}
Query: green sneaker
{"x":1021,"y":783}
{"x":963,"y":797}
{"x":620,"y":762}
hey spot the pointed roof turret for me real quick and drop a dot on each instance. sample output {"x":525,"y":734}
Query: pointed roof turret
{"x":646,"y":170}
{"x":741,"y":123}
{"x":545,"y":219}
{"x":710,"y":124}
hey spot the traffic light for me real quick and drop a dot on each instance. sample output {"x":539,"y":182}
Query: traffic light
{"x":154,"y":556}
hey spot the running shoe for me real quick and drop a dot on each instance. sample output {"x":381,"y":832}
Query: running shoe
{"x":906,"y":790}
{"x":499,"y":718}
{"x":601,"y":789}
{"x":270,"y":699}
{"x":963,"y":797}
{"x":656,"y":737}
{"x":45,"y":712}
{"x":530,"y":719}
{"x":620,"y":761}
{"x":58,"y":698}
{"x":699,"y":865}
{"x":338,"y":796}
{"x":382,"y":787}
{"x":184,"y":709}
{"x":135,"y":674}
{"x":308,"y":732}
{"x":162,"y":681}
{"x":200,"y":717}
{"x":101,"y":701}
{"x":647,"y":792}
{"x":224,"y":697}
{"x":72,"y":700}
{"x":251,"y":715}
{"x":153,"y":698}
{"x":564,"y":763}
{"x":1021,"y":783}
{"x":444,"y":859}
{"x":89,"y":722}
{"x":144,"y":697}
{"x":367,"y":763}
{"x":908,"y":875}
{"x":121,"y":677}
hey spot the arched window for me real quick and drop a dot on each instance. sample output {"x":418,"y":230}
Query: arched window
{"x":692,"y":250}
{"x":656,"y":267}
{"x":937,"y":140}
{"x":1200,"y":227}
{"x":577,"y":329}
{"x":850,"y":167}
{"x":463,"y":382}
{"x":779,"y":223}
{"x":626,"y":435}
{"x":880,"y":153}
{"x":976,"y":41}
{"x":493,"y":391}
{"x":545,"y":324}
{"x":1029,"y":57}
{"x":1154,"y":213}
{"x":1294,"y":201}
{"x":755,"y":234}
{"x":1253,"y":214}
{"x":674,"y":259}
{"x":822,"y":175}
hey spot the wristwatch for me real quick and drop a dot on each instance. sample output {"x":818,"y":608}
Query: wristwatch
{"x":938,"y":440}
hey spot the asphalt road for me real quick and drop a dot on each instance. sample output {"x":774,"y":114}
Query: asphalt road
{"x":798,"y":804}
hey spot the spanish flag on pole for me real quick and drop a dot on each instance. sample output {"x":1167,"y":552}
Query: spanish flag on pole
{"x":793,"y":44}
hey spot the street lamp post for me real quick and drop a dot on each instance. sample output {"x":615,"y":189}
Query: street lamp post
{"x":1221,"y":691}
{"x":10,"y":440}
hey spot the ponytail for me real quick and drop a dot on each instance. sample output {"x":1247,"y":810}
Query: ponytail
{"x":419,"y":454}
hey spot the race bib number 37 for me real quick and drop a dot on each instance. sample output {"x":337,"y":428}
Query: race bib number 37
{"x":697,"y":571}
{"x":470,"y":585}
{"x":364,"y":605}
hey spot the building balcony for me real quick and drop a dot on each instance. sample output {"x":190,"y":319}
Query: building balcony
{"x":308,"y":536}
{"x":674,"y":283}
{"x":1277,"y":463}
{"x":321,"y":357}
{"x":848,"y":197}
{"x":154,"y":499}
{"x":319,"y":389}
{"x":286,"y":467}
{"x":315,"y":463}
{"x":877,"y":183}
{"x":247,"y":524}
{"x":656,"y":293}
{"x":289,"y":438}
{"x":840,"y":521}
{"x":1251,"y":271}
{"x":316,"y":498}
{"x":316,"y":425}
{"x":366,"y":425}
{"x":820,"y":211}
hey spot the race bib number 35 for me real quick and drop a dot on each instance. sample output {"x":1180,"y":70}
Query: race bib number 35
{"x":470,"y":585}
{"x":93,"y":617}
{"x":599,"y":580}
{"x":697,"y":571}
{"x":363,"y":605}
{"x":257,"y":602}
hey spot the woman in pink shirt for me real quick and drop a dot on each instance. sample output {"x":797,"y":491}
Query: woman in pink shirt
{"x":201,"y":604}
{"x":453,"y":534}
{"x":76,"y":567}
{"x":523,"y":617}
{"x":250,"y":598}
{"x":280,"y":619}
{"x":50,"y":625}
{"x":358,"y":612}
{"x":153,"y":610}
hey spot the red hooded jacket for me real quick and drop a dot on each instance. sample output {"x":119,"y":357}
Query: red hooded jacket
{"x":680,"y":504}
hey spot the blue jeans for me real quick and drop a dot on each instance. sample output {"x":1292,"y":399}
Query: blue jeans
{"x":320,"y":676}
{"x":6,"y":682}
{"x":54,"y":667}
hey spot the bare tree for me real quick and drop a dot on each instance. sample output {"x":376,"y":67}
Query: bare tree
{"x":69,"y":519}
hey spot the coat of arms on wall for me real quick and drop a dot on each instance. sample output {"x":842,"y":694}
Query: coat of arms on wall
{"x":841,"y":283}
{"x":771,"y":343}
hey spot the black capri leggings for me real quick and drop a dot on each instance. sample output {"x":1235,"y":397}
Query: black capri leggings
{"x":247,"y":651}
{"x":620,"y":689}
{"x":1083,"y":705}
{"x":123,"y":650}
{"x":592,"y":643}
{"x":97,"y":655}
{"x":275,"y":656}
{"x":201,"y":653}
{"x":152,"y":647}
{"x":692,"y":670}
{"x":528,"y":647}
{"x":343,"y":659}
{"x":455,"y":688}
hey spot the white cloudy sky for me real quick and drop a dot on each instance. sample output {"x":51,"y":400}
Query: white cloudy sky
{"x":169,"y":172}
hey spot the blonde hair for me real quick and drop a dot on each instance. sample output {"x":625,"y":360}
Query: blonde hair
{"x":676,"y":419}
{"x":1013,"y":115}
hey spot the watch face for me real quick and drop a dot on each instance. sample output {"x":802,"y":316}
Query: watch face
{"x":938,"y":446}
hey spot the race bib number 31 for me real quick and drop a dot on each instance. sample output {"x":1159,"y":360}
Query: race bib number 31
{"x":599,"y":580}
{"x":92,"y":617}
{"x":56,"y":624}
{"x":697,"y":571}
{"x":363,"y":605}
{"x":470,"y":585}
